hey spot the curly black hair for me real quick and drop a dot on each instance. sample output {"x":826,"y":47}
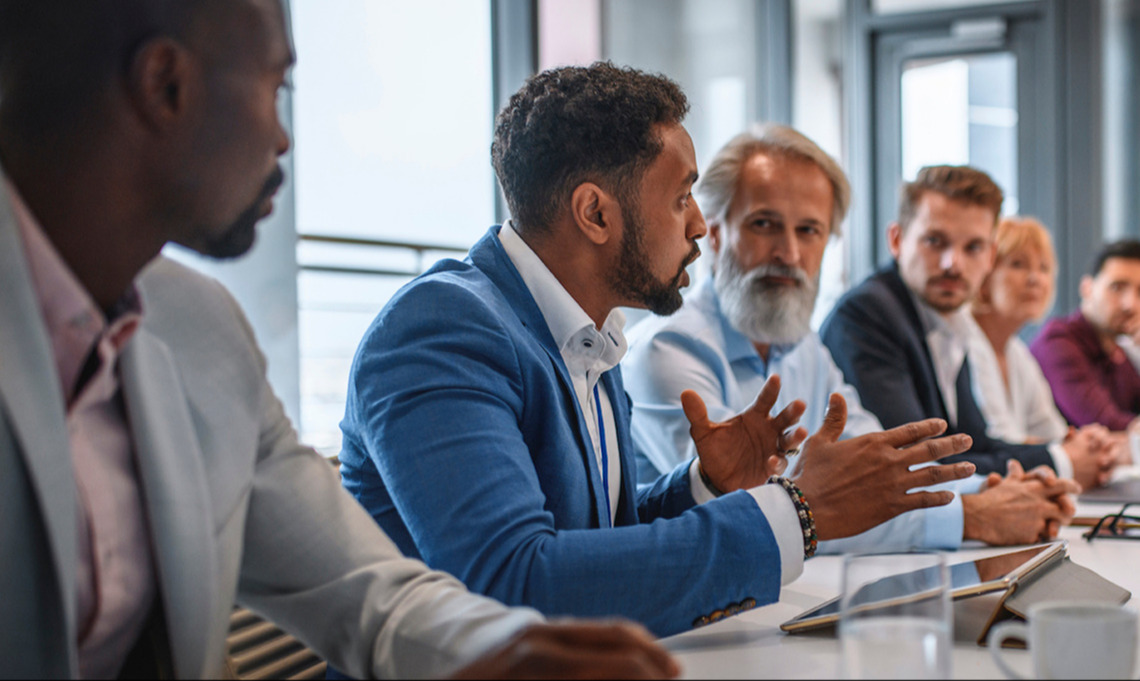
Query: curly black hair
{"x":577,"y":124}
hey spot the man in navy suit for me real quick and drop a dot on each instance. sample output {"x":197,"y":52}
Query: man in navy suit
{"x":898,"y":336}
{"x":487,"y":427}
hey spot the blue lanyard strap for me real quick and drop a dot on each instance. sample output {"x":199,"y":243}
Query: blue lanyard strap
{"x":605,"y":456}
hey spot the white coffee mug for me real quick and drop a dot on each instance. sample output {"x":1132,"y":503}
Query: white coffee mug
{"x":1072,"y":640}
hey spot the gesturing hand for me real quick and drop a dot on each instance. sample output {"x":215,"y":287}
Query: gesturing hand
{"x":745,"y":450}
{"x":576,"y":650}
{"x":853,"y":485}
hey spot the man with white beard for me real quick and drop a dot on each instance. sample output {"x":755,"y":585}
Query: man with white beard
{"x":772,"y":200}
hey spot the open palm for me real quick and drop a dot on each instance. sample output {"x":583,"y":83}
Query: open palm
{"x":745,"y":450}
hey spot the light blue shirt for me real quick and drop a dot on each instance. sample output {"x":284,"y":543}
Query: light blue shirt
{"x":697,"y":349}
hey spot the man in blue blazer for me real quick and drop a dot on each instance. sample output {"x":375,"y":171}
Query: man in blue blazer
{"x":133,"y":395}
{"x":898,"y":336}
{"x":487,"y":427}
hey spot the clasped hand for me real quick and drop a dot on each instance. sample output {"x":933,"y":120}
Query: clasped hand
{"x":1093,"y":452}
{"x":1021,"y":508}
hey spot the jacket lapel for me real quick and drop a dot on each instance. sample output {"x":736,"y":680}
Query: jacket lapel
{"x":898,"y":289}
{"x":30,"y":395}
{"x":176,"y":496}
{"x":488,"y":255}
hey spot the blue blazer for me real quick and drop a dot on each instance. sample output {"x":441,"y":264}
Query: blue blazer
{"x":463,"y":439}
{"x":877,"y":340}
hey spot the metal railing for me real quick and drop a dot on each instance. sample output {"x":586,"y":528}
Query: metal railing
{"x":419,"y":249}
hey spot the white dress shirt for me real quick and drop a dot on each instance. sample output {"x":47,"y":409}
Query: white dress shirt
{"x":1024,"y":408}
{"x":588,"y":352}
{"x":948,"y":337}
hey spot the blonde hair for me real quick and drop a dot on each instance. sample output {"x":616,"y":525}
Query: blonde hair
{"x":1018,"y":234}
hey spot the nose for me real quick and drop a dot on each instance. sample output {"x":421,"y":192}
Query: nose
{"x":283,"y":142}
{"x":786,"y":249}
{"x":1129,"y":301}
{"x":949,"y":260}
{"x":695,"y":228}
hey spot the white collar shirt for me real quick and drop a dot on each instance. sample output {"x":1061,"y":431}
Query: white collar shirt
{"x":946,"y":337}
{"x":587,"y":351}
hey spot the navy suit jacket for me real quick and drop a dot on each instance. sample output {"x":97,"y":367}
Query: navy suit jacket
{"x":464,"y":440}
{"x":875,"y":335}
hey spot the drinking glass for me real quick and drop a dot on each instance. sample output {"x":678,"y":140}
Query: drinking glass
{"x":896,"y":618}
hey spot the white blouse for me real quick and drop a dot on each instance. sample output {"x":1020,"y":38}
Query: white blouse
{"x":1026,"y":410}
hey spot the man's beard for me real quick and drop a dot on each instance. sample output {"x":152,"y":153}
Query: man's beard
{"x":238,"y":238}
{"x":765,"y":313}
{"x":633,"y":279}
{"x":947,"y":307}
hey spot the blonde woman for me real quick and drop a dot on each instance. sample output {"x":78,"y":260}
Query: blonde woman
{"x":1010,"y":389}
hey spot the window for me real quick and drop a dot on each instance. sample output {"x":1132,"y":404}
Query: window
{"x":962,"y":110}
{"x":393,"y":120}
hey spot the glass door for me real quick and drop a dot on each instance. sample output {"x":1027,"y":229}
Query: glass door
{"x":958,"y":93}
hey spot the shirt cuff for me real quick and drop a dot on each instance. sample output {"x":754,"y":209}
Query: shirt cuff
{"x":781,"y":515}
{"x":780,"y":512}
{"x":944,"y":525}
{"x":1061,"y":461}
{"x":970,"y":485}
{"x":700,"y":491}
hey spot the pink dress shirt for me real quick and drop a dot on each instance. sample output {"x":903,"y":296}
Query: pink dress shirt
{"x":115,"y":577}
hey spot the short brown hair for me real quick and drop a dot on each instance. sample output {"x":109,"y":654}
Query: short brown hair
{"x":958,"y":183}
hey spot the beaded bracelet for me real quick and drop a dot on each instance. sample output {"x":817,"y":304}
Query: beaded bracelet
{"x":807,"y":520}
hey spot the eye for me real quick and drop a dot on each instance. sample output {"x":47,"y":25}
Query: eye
{"x":810,"y":230}
{"x":687,"y":200}
{"x":975,"y":247}
{"x":934,"y":241}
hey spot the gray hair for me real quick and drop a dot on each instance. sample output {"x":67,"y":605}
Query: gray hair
{"x":718,"y":183}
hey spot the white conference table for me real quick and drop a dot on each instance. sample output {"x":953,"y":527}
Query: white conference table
{"x":752,"y":646}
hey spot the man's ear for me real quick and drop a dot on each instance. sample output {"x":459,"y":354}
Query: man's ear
{"x":596,"y":213}
{"x":160,"y":82}
{"x":894,"y":239}
{"x":1086,"y":287}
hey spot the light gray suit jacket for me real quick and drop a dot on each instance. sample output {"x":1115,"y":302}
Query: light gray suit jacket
{"x":237,"y":509}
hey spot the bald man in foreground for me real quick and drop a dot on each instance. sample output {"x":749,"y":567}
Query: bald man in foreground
{"x":150,"y":477}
